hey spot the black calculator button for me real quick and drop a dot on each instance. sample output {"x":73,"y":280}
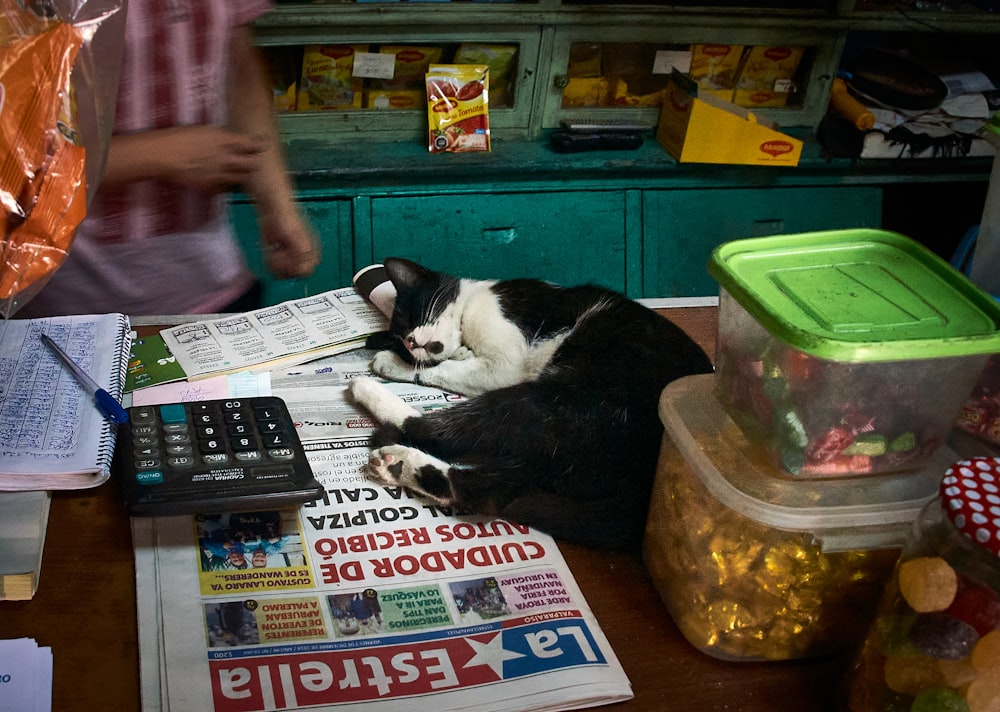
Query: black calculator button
{"x":207,"y":419}
{"x":212,"y":445}
{"x":148,"y":463}
{"x":184,"y":449}
{"x":271,"y":428}
{"x":236,"y":429}
{"x":142,"y":430}
{"x":145,"y":441}
{"x":236,"y":416}
{"x":176,"y":438}
{"x":143,"y":452}
{"x":181,"y":462}
{"x":266,"y":414}
{"x":245,"y":442}
{"x":276,"y":440}
{"x":175,"y":427}
{"x":208,"y":431}
{"x":215,"y":458}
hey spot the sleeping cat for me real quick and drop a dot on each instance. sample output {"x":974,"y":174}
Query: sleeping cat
{"x":560,"y":430}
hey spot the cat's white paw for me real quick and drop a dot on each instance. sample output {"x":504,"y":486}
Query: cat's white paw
{"x":389,"y":365}
{"x":462,"y":353}
{"x":384,"y":405}
{"x":398,"y":465}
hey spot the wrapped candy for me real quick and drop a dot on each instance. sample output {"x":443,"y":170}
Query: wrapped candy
{"x":935,"y":644}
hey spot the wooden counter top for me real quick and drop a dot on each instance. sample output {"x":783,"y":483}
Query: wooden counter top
{"x":85,"y":610}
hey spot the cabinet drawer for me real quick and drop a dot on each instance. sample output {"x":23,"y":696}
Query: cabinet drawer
{"x":682,"y":227}
{"x":566,"y":237}
{"x":330,"y":220}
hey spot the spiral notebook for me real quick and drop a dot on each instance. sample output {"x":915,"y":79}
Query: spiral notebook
{"x":52,"y":436}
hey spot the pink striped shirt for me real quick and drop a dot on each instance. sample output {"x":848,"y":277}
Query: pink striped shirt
{"x":170,"y":77}
{"x":152,"y":248}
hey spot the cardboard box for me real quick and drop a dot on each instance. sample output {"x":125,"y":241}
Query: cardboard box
{"x":697,"y":128}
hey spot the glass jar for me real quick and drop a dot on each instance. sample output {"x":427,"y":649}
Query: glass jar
{"x":935,"y":643}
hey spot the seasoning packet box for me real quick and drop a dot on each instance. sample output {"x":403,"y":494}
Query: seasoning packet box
{"x":328,"y":80}
{"x":714,"y":67}
{"x":755,"y":566}
{"x":698,"y":127}
{"x":766,"y":76}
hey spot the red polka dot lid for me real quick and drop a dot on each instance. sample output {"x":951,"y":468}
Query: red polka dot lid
{"x":970,"y":495}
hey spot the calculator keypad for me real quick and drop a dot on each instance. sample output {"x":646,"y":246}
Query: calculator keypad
{"x":227,"y":452}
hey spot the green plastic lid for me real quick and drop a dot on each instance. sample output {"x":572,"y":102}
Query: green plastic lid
{"x":858,"y":296}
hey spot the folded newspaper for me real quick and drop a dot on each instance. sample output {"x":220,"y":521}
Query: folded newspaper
{"x":292,"y":332}
{"x":370,"y":599}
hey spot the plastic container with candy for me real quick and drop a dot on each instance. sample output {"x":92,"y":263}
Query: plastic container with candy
{"x":847,"y":352}
{"x":755,"y":566}
{"x":981,"y":412}
{"x":935,"y":644}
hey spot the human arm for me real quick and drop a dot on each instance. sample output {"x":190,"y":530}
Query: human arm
{"x":290,"y":246}
{"x":211,"y":158}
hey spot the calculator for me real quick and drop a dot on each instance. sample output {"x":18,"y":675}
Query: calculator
{"x":212,"y":456}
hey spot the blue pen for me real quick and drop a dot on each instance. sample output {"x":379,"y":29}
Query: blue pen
{"x":111,"y":408}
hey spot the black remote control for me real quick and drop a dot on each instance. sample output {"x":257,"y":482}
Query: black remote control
{"x":571,"y":142}
{"x":212,"y":456}
{"x":603,"y":127}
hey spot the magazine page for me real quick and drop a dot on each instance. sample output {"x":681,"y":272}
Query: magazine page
{"x":370,"y":598}
{"x":291,"y":332}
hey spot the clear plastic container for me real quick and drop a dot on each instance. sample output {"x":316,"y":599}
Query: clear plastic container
{"x":754,"y":565}
{"x":935,"y":643}
{"x":847,"y":352}
{"x":981,"y":412}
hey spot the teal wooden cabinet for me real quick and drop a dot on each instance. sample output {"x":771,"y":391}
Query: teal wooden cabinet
{"x":566,"y":236}
{"x":331,"y":220}
{"x":682,"y":227}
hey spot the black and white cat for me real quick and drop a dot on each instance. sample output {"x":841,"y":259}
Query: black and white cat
{"x":561,"y":429}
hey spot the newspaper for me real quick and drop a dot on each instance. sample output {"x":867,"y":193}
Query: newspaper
{"x":292,"y":332}
{"x":369,"y":599}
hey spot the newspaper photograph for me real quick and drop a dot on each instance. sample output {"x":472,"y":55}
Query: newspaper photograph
{"x":369,"y":598}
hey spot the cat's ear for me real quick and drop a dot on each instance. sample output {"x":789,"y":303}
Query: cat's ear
{"x":405,"y":273}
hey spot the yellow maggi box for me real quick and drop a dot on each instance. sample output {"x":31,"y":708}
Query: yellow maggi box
{"x":696,"y":128}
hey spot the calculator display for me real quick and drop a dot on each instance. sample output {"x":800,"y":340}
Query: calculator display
{"x":209,"y":456}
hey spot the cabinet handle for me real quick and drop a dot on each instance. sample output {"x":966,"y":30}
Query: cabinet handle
{"x":767,"y":227}
{"x":500,"y":235}
{"x":560,"y":81}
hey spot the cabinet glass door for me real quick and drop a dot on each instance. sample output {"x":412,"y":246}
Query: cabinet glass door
{"x":371,"y":84}
{"x":600,"y":74}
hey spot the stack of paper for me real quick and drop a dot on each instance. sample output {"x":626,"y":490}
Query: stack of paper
{"x":26,"y":672}
{"x":23,"y":517}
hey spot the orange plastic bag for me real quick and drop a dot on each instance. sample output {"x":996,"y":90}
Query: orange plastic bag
{"x":47,"y":67}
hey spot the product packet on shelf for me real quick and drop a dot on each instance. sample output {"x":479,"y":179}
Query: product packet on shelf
{"x":458,"y":108}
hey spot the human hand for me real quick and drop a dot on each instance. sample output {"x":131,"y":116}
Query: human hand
{"x":211,"y":158}
{"x":291,"y":249}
